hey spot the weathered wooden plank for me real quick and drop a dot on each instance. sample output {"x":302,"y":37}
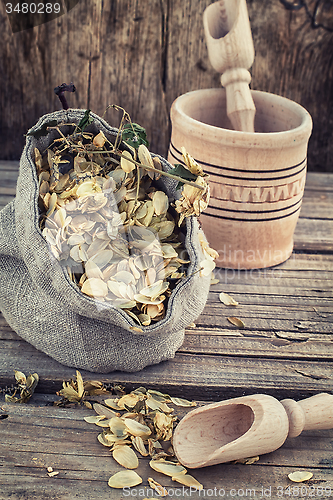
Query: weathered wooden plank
{"x":12,"y":166}
{"x":4,"y":200}
{"x":7,"y":191}
{"x":253,"y":323}
{"x":35,"y":437}
{"x":314,"y":235}
{"x":316,"y":205}
{"x":197,"y":376}
{"x":321,"y":182}
{"x":301,"y":343}
{"x":113,"y":43}
{"x":273,"y":312}
{"x":224,"y":343}
{"x":236,"y":481}
{"x":22,"y":442}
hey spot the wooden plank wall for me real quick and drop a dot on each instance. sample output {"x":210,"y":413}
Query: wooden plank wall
{"x":142,"y":54}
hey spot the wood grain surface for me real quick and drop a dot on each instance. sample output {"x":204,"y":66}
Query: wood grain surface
{"x":142,"y":54}
{"x":61,"y":439}
{"x":285,"y":350}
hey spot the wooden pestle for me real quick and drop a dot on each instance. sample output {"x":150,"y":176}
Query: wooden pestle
{"x":231,"y":53}
{"x":246,"y":426}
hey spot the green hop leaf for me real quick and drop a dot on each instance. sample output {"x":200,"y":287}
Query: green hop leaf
{"x":180,"y":171}
{"x":85,"y":121}
{"x":134,"y":135}
{"x":42,"y":131}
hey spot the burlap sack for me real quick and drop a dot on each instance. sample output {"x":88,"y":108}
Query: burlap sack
{"x":45,"y":308}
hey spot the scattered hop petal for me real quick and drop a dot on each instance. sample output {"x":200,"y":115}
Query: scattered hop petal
{"x":236,"y":321}
{"x":99,"y":140}
{"x":182,"y":402}
{"x":95,"y":287}
{"x":125,"y":456}
{"x":167,"y":468}
{"x":139,"y":445}
{"x":227,"y":300}
{"x":187,"y":480}
{"x":145,"y":156}
{"x":207,"y":266}
{"x":20,"y":377}
{"x":160,"y":202}
{"x":191,"y":164}
{"x":300,"y":476}
{"x":137,"y":429}
{"x":160,"y":490}
{"x":93,"y":419}
{"x":124,"y":479}
{"x":125,"y":162}
{"x":87,"y":188}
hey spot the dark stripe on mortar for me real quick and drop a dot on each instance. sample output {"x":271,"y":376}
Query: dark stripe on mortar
{"x":250,"y":220}
{"x":239,"y":170}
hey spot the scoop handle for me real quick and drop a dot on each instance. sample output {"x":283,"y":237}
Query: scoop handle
{"x":309,"y":414}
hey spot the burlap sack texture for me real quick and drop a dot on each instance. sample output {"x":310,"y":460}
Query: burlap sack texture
{"x":45,"y":308}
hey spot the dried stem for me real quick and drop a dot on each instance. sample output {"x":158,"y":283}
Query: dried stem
{"x":171,"y":176}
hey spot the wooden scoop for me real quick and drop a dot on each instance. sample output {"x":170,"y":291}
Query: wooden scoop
{"x":231,"y":53}
{"x":246,"y":426}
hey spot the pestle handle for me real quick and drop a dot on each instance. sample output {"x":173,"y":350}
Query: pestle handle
{"x":240,"y":105}
{"x":231,"y":53}
{"x":309,"y":414}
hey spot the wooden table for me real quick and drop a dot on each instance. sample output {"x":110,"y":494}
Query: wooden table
{"x":285,"y":350}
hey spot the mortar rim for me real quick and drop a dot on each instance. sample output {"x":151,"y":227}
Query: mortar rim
{"x":284,"y":138}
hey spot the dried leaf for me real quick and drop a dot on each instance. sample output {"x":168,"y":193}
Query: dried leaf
{"x":136,"y":329}
{"x":118,"y":427}
{"x":102,"y":438}
{"x":236,"y":321}
{"x":227,"y":300}
{"x":145,"y":156}
{"x":300,"y":476}
{"x":20,"y":378}
{"x":128,"y":400}
{"x":124,"y":479}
